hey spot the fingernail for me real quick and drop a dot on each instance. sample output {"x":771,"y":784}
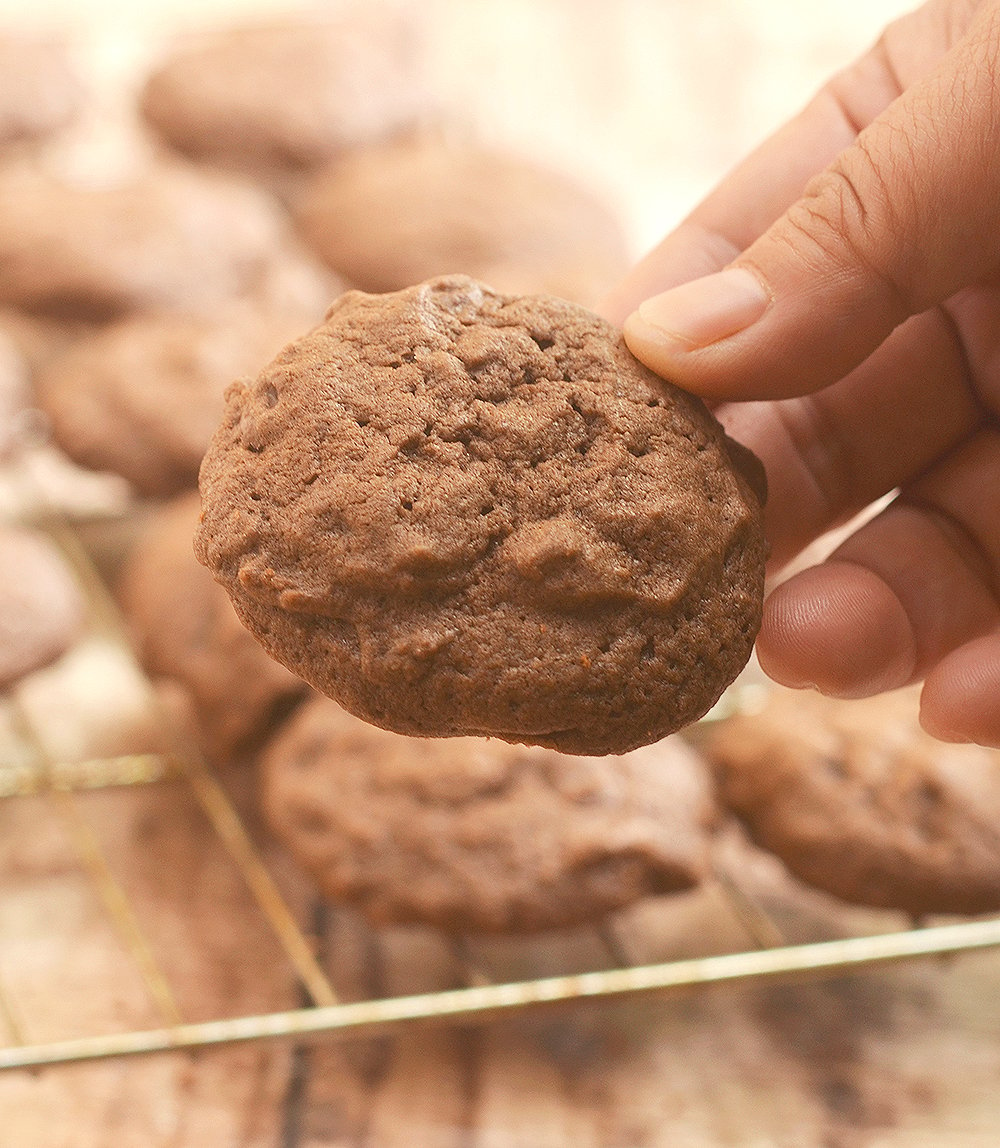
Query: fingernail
{"x":706,"y":310}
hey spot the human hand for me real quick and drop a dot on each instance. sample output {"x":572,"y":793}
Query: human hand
{"x":837,"y":299}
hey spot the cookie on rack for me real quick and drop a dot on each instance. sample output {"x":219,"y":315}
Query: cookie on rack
{"x":473,"y":834}
{"x":282,"y":96}
{"x":141,"y":397}
{"x":170,"y":237}
{"x":388,"y":217}
{"x":465,"y":513}
{"x":41,"y":91}
{"x":185,"y":630}
{"x":858,"y":801}
{"x":42,"y":608}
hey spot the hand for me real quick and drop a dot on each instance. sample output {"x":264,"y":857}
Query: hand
{"x":837,"y":299}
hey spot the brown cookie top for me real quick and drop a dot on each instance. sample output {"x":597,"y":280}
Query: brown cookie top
{"x":40,"y":90}
{"x":475,"y":834}
{"x":392,"y":216}
{"x":857,"y":800}
{"x":459,"y":512}
{"x":185,"y":629}
{"x":290,"y":93}
{"x":41,"y":606}
{"x":171,"y":238}
{"x":142,"y":397}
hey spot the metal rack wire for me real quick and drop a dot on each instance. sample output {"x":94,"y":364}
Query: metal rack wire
{"x":28,"y":769}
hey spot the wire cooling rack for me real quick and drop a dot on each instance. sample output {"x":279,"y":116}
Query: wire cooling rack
{"x":29,"y":768}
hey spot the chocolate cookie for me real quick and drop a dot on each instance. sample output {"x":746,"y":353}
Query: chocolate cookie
{"x":40,"y":90}
{"x":389,"y":217}
{"x":141,"y":398}
{"x":474,"y":834}
{"x":460,"y":512}
{"x":172,"y":238}
{"x":185,"y":630}
{"x":41,"y":607}
{"x":857,"y":800}
{"x":288,"y":94}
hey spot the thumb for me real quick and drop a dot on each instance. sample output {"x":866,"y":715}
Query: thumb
{"x":905,"y":217}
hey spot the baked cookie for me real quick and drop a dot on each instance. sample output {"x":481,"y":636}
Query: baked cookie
{"x":857,"y":800}
{"x":185,"y":630}
{"x":40,"y":90}
{"x":460,"y":512}
{"x":474,"y":834}
{"x":172,"y":238}
{"x":41,"y":607}
{"x":286,"y":95}
{"x":392,"y":216}
{"x":140,"y":398}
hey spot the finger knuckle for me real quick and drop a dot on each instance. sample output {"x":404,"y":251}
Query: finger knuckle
{"x":851,"y":217}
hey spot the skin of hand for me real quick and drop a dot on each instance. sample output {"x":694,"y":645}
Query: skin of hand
{"x":836,"y":300}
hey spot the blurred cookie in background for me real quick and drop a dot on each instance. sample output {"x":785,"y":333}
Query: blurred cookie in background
{"x":142,"y":397}
{"x":186,"y":631}
{"x":858,"y":801}
{"x":280,"y":97}
{"x":41,"y":606}
{"x":388,"y":217}
{"x":474,"y":834}
{"x":169,"y":237}
{"x":41,"y":91}
{"x":15,"y":394}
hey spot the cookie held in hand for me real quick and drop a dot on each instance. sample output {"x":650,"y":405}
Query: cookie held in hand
{"x":464,"y":513}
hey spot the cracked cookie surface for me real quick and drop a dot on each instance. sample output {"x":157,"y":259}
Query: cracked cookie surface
{"x":464,"y":513}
